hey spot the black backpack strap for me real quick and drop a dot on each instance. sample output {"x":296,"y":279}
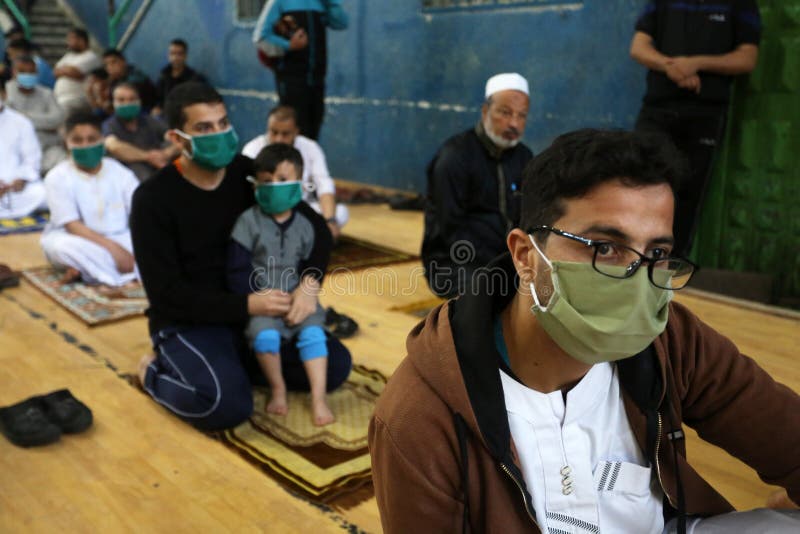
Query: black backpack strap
{"x":640,"y":376}
{"x":461,"y":434}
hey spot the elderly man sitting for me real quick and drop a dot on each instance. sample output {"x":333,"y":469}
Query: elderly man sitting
{"x":473,"y":188}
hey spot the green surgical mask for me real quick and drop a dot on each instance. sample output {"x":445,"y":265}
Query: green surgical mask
{"x":88,"y":157}
{"x":278,"y":197}
{"x":595,"y":318}
{"x":128,"y":112}
{"x":212,"y":151}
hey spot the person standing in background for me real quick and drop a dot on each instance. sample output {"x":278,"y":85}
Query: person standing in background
{"x":174,"y":73}
{"x":300,"y":72}
{"x":72,"y":69}
{"x":693,"y":50}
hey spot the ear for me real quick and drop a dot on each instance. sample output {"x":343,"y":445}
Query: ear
{"x":522,"y":254}
{"x":174,"y":138}
{"x":484,"y":111}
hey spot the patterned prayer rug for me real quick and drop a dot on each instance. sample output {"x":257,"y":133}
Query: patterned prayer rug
{"x":99,"y":304}
{"x":329,"y":464}
{"x":352,"y":253}
{"x":22,"y":225}
{"x":93,"y":304}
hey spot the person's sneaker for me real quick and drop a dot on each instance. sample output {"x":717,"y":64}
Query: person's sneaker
{"x":340,"y":326}
{"x":26,"y":425}
{"x":67,"y":412}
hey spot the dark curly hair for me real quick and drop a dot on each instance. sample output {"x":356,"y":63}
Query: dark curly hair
{"x":579,"y":161}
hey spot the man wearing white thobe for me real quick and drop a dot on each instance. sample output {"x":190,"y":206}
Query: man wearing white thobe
{"x":21,"y":188}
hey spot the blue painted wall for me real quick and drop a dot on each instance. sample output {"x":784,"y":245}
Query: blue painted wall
{"x":401,"y":79}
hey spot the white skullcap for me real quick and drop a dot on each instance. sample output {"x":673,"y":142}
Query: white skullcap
{"x":506,"y":81}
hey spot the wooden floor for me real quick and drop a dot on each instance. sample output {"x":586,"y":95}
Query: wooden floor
{"x":140,"y":469}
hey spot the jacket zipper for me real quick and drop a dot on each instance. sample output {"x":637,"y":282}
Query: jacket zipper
{"x":507,"y":471}
{"x":658,"y":467}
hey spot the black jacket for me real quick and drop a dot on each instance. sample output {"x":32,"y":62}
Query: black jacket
{"x":166,"y":82}
{"x":473,"y":200}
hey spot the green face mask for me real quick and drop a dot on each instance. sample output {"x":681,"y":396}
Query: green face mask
{"x":596,"y":318}
{"x":278,"y":197}
{"x":88,"y":157}
{"x":128,"y":112}
{"x":212,"y":151}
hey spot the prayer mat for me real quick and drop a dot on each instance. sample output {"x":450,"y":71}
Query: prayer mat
{"x":420,"y":308}
{"x":329,"y":464}
{"x":23,"y":225}
{"x":94,"y":305}
{"x":352,"y":253}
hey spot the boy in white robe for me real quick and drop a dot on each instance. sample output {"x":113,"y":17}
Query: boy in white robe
{"x":90,"y":202}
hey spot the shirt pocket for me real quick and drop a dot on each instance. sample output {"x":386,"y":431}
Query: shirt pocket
{"x":627,"y":497}
{"x":623,"y":477}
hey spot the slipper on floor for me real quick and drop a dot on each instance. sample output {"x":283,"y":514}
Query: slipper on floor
{"x":8,"y":278}
{"x":67,"y":412}
{"x":340,"y":326}
{"x":25,"y":424}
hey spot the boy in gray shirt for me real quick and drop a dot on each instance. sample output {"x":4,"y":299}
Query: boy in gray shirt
{"x":282,"y":235}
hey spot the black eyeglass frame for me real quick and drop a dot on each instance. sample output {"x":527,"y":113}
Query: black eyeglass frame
{"x":631,"y":269}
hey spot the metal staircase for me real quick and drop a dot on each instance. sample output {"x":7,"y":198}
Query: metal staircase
{"x":49,"y":26}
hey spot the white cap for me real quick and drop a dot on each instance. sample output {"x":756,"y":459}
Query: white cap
{"x":506,"y":81}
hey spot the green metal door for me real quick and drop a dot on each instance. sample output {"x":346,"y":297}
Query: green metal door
{"x":751,"y":219}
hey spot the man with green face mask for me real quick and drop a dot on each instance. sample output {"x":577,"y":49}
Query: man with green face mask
{"x":181,"y":224}
{"x":555,"y":389}
{"x":136,"y":139}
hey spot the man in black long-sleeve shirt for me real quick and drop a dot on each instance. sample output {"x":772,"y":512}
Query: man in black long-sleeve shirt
{"x":181,"y":221}
{"x":692,"y":50}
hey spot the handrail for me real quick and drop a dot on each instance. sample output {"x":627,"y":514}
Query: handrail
{"x":134,"y":25}
{"x":21,"y":18}
{"x":114,"y":20}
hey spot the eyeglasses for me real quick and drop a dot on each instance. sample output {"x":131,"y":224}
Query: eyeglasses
{"x":619,"y":261}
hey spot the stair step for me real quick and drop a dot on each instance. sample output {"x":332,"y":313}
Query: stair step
{"x":49,"y":20}
{"x":45,"y":11}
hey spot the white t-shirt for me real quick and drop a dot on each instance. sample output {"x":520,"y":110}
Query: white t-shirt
{"x":20,"y":152}
{"x":581,"y":462}
{"x":101,"y":201}
{"x":317,"y":179}
{"x":69,"y":91}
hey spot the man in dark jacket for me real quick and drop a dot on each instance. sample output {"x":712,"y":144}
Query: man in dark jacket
{"x":175,"y":73}
{"x":693,"y":50}
{"x":552,"y":398}
{"x":474,"y":188}
{"x":301,"y":38}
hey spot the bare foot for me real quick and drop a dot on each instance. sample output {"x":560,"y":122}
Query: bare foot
{"x":144,"y":363}
{"x":322,"y":415}
{"x":277,"y":404}
{"x":70,"y":275}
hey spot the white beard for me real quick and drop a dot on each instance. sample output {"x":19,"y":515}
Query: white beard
{"x":499,"y":141}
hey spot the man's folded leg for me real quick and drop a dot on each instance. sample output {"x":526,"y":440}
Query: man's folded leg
{"x":198,"y":376}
